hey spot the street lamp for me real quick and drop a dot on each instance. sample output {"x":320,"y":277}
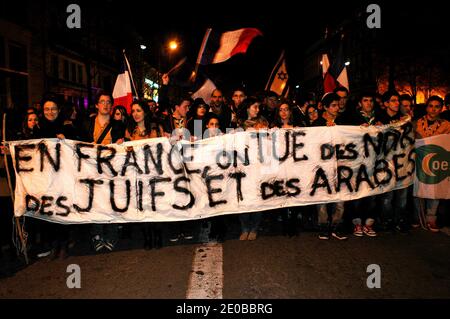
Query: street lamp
{"x":173,"y":45}
{"x":143,"y":47}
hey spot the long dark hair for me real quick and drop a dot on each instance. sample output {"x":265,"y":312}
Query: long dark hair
{"x":245,"y":105}
{"x":149,"y":125}
{"x":123,"y":111}
{"x":26,"y":131}
{"x":278,"y":122}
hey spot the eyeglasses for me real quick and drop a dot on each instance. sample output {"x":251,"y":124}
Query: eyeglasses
{"x":105,"y":102}
{"x":312,"y":112}
{"x":50,"y":109}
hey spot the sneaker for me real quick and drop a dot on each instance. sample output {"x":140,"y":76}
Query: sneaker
{"x":97,"y":243}
{"x":44,"y":253}
{"x":244,"y":236}
{"x":109,"y":245}
{"x":252,"y":235}
{"x":433,"y":227}
{"x":174,"y":238}
{"x":368,"y":231}
{"x":358,"y":231}
{"x":338,"y":235}
{"x":324,"y":235}
{"x":188,"y":236}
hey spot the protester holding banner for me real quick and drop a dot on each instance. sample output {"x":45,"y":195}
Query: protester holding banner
{"x":393,"y":203}
{"x":363,"y":209}
{"x":313,"y":114}
{"x":330,"y":215}
{"x":237,"y":98}
{"x":429,"y":125}
{"x":269,"y":107}
{"x":51,"y":126}
{"x":30,"y":127}
{"x":175,"y":124}
{"x":218,"y":224}
{"x":141,"y":127}
{"x":120,"y":114}
{"x":223,"y":112}
{"x":102,"y":129}
{"x":197,"y":119}
{"x":406,"y":105}
{"x":248,"y":119}
{"x":248,"y":110}
{"x":330,"y":115}
{"x":284,"y":119}
{"x":175,"y":128}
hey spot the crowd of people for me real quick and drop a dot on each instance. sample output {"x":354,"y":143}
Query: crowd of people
{"x":398,"y":210}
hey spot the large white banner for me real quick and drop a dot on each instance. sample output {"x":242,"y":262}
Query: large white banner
{"x":432,"y":171}
{"x":151,"y":180}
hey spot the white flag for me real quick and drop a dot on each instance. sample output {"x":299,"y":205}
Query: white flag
{"x":205,"y":91}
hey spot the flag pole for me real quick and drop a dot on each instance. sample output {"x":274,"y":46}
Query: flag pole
{"x":274,"y":70}
{"x":17,"y":220}
{"x":131,"y":74}
{"x":200,"y":53}
{"x":176,"y":66}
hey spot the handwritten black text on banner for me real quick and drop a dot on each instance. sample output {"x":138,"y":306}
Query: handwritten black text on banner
{"x":151,"y":180}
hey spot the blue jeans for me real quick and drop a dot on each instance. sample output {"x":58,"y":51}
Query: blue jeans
{"x":250,"y":222}
{"x":429,"y":208}
{"x":363,"y":209}
{"x":393,"y":206}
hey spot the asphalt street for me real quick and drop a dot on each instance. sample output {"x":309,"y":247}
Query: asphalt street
{"x":416,"y":265}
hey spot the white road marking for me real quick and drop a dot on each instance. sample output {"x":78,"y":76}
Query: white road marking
{"x":206,"y":279}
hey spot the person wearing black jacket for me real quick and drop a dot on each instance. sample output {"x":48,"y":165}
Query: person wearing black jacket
{"x":393,"y":203}
{"x":51,"y":126}
{"x":223,"y":112}
{"x":364,"y":208}
{"x":330,"y":215}
{"x":103,"y":129}
{"x":30,"y":128}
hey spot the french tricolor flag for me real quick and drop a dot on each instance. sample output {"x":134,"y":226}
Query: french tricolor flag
{"x":217,"y":48}
{"x":334,"y":75}
{"x":329,"y":83}
{"x":122,"y":93}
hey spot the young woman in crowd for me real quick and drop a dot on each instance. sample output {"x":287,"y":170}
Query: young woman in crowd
{"x":140,"y":127}
{"x":430,"y":125}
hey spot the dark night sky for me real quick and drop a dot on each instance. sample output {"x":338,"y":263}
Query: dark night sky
{"x":292,"y":26}
{"x":289,"y":25}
